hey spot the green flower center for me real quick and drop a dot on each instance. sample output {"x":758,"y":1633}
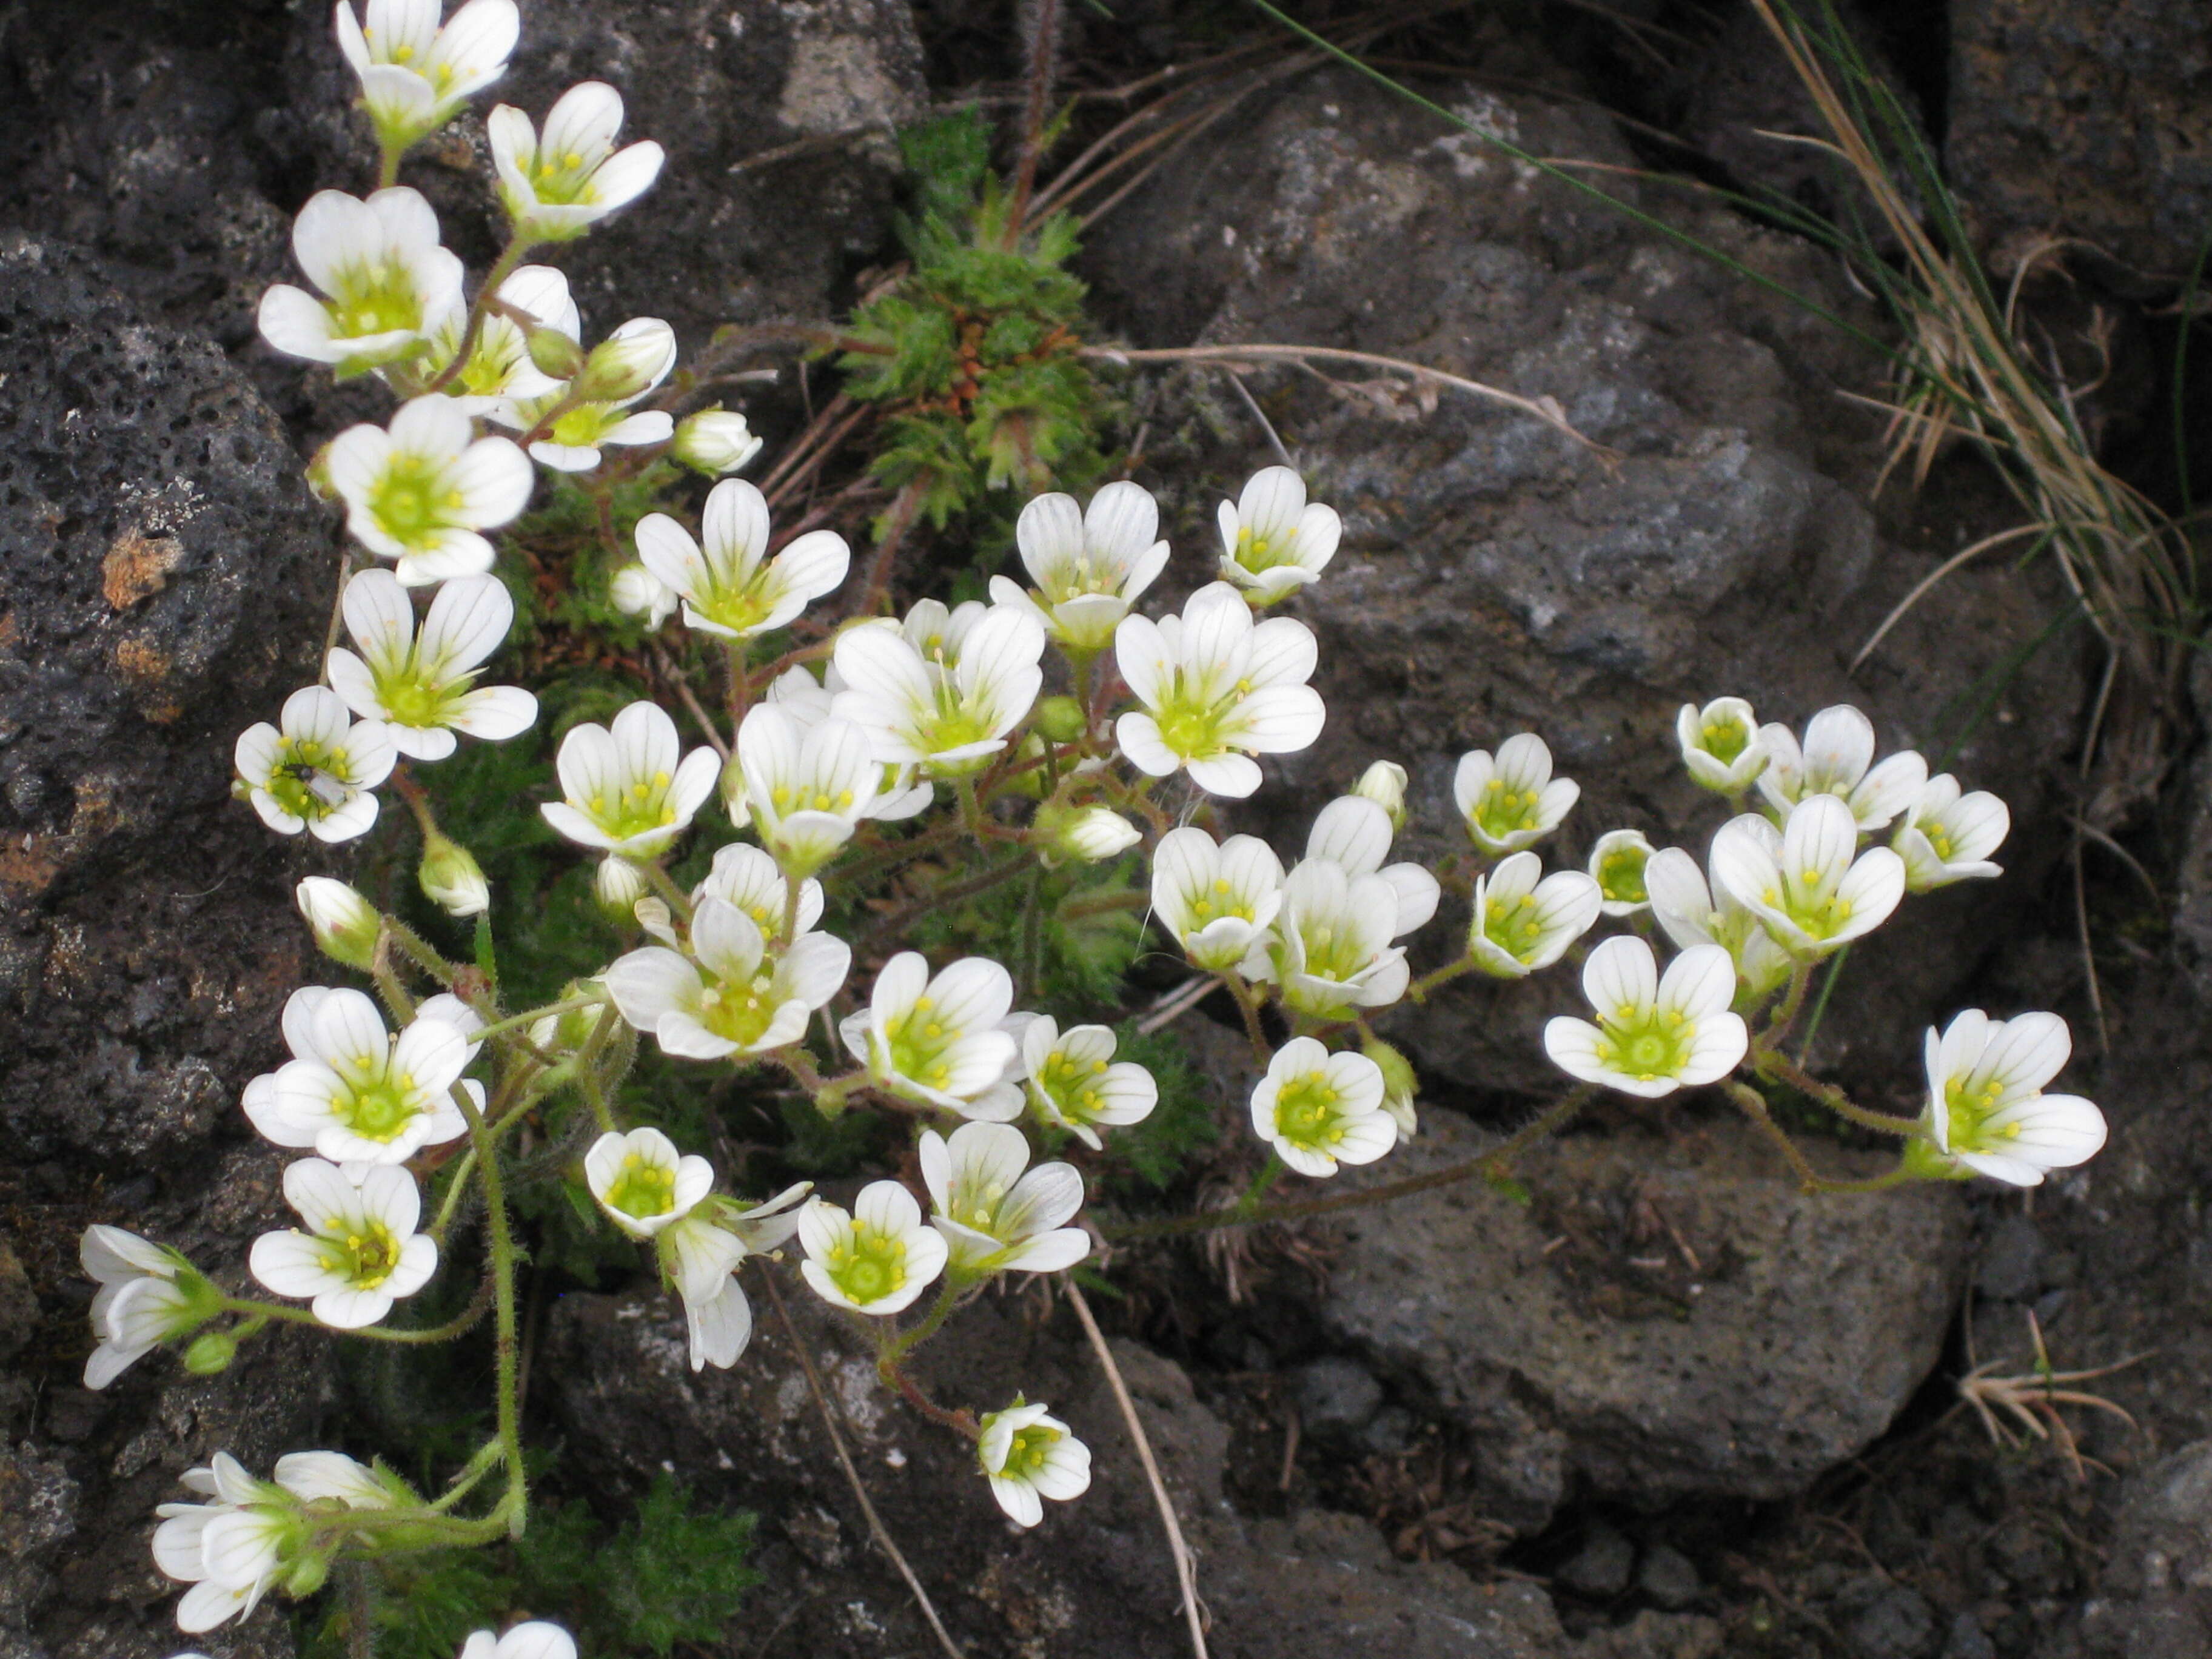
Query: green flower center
{"x":584,"y":426}
{"x":1656,"y":1044}
{"x":1071,"y":1085}
{"x":1620,"y":876}
{"x":411,"y":699}
{"x":1515,"y":926}
{"x":1938,"y":839}
{"x":918,"y":1045}
{"x":1504,"y":811}
{"x":1309,"y":1112}
{"x":642,"y":1190}
{"x":869,"y":1265}
{"x":1218,"y":900}
{"x":739,"y":1013}
{"x":739,"y":609}
{"x":309,"y":780}
{"x":1968,"y":1112}
{"x":1259,"y":553}
{"x":365,"y":1253}
{"x":378,"y":1105}
{"x":1820,"y":913}
{"x":562,"y":180}
{"x":1027,"y":1451}
{"x":634,"y":811}
{"x":1725,"y":739}
{"x":1084,"y":575}
{"x":374,"y":299}
{"x":412,"y":500}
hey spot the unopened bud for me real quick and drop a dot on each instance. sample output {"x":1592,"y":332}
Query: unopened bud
{"x":618,"y":886}
{"x":715,"y":440}
{"x":307,"y":1576}
{"x":1087,"y":834}
{"x":1060,"y":719}
{"x":637,"y":591}
{"x":1399,"y":1084}
{"x":345,"y":925}
{"x":552,"y":352}
{"x":570,"y":1029}
{"x":319,"y":476}
{"x":628,"y":363}
{"x":452,"y":878}
{"x":210,"y":1352}
{"x":1384,"y":783}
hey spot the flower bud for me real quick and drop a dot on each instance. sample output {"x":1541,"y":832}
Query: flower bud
{"x":617,"y":885}
{"x":570,"y":1029}
{"x":1384,"y":783}
{"x":307,"y":1576}
{"x":452,"y":878}
{"x":345,"y":925}
{"x":1400,"y":1083}
{"x":626,"y":364}
{"x":637,"y":591}
{"x":1060,"y":719}
{"x":319,"y":476}
{"x":715,"y":441}
{"x":552,"y":352}
{"x":210,"y":1352}
{"x":1087,"y":834}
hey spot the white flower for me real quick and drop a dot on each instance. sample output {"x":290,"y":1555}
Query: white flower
{"x":309,"y":1475}
{"x":731,"y":588}
{"x":1384,"y":783}
{"x":345,"y":925}
{"x":642,"y":1183}
{"x":1216,"y":689}
{"x":573,"y":442}
{"x":1654,"y":1035}
{"x":1512,"y":801}
{"x":1521,"y":924}
{"x":876,"y":1260}
{"x":423,"y":687}
{"x":950,"y":710}
{"x":810,"y":702}
{"x":1722,"y":745}
{"x":535,"y":1639}
{"x":1074,"y":1081}
{"x":1946,"y":836}
{"x":1330,"y":950}
{"x":148,"y":1295}
{"x":748,"y":1000}
{"x":315,"y":770}
{"x":1272,"y":543}
{"x":1691,"y":914}
{"x":499,"y":373}
{"x":941,"y":1040}
{"x":386,"y":281}
{"x":1987,"y":1113}
{"x":556,"y":185}
{"x":1355,"y":831}
{"x":1318,"y":1110}
{"x":1217,"y":900}
{"x":806,"y":789}
{"x":715,"y":441}
{"x":354,"y":1093}
{"x":1088,"y":834}
{"x":625,"y":787}
{"x":1028,"y":1455}
{"x":637,"y":591}
{"x":361,"y":1251}
{"x":231,"y":1551}
{"x":1808,"y":890}
{"x":415,"y":75}
{"x":752,"y":880}
{"x":996,"y":1218}
{"x":1616,"y":865}
{"x":1837,"y":759}
{"x":1089,"y":566}
{"x":421,"y":490}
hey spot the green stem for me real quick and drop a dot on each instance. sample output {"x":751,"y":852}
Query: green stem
{"x":1820,"y":1003}
{"x":1778,"y":1068}
{"x":1248,"y":1206}
{"x":1785,"y":1012}
{"x":500,"y":1027}
{"x":1809,"y":1179}
{"x":458,"y":1325}
{"x":454,"y":1193}
{"x":662,"y":883}
{"x":507,"y":1346}
{"x":419,"y":952}
{"x":1425,"y":986}
{"x":502,"y":268}
{"x":896,"y":1348}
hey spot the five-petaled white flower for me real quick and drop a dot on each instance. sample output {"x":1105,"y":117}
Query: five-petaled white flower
{"x":314,"y":770}
{"x":945,"y":708}
{"x":1837,"y":759}
{"x":730,"y":586}
{"x":1691,"y":913}
{"x":359,"y":1252}
{"x":1028,"y":1454}
{"x":1330,"y":950}
{"x":1947,"y":836}
{"x":1090,"y":565}
{"x":1354,"y":832}
{"x":941,"y":1040}
{"x":1654,"y":1034}
{"x":1986,"y":1111}
{"x":1616,"y":865}
{"x":805,"y":788}
{"x":1218,"y":901}
{"x":627,"y":787}
{"x":877,"y":1259}
{"x":557,"y":185}
{"x":752,"y":880}
{"x":995,"y":1217}
{"x":1722,"y":744}
{"x":1273,"y":542}
{"x":809,"y":702}
{"x":423,"y":686}
{"x":1218,"y":687}
{"x":500,"y":374}
{"x":386,"y":281}
{"x":1520,"y":923}
{"x":1075,"y":1083}
{"x":535,"y":1639}
{"x":573,"y":436}
{"x":148,"y":1295}
{"x":415,"y":76}
{"x":232,"y":1551}
{"x":733,"y":995}
{"x":643,"y":1183}
{"x":1318,"y":1110}
{"x":1805,"y":887}
{"x":1510,"y":800}
{"x":353,"y":1092}
{"x":423,"y":490}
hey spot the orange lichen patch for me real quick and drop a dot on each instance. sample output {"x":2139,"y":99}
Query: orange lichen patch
{"x":146,"y":666}
{"x":137,"y":565}
{"x":10,"y":631}
{"x":29,"y":863}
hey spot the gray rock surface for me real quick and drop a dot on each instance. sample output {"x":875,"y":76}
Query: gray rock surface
{"x":2155,"y":1602}
{"x":1496,"y":578}
{"x":1667,"y":1317}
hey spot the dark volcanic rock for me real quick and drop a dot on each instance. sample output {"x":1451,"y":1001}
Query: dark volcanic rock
{"x":1670,"y":1316}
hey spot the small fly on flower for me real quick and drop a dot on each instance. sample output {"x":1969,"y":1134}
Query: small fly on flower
{"x":330,"y":790}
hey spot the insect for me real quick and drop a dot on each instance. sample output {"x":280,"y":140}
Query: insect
{"x":330,"y":790}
